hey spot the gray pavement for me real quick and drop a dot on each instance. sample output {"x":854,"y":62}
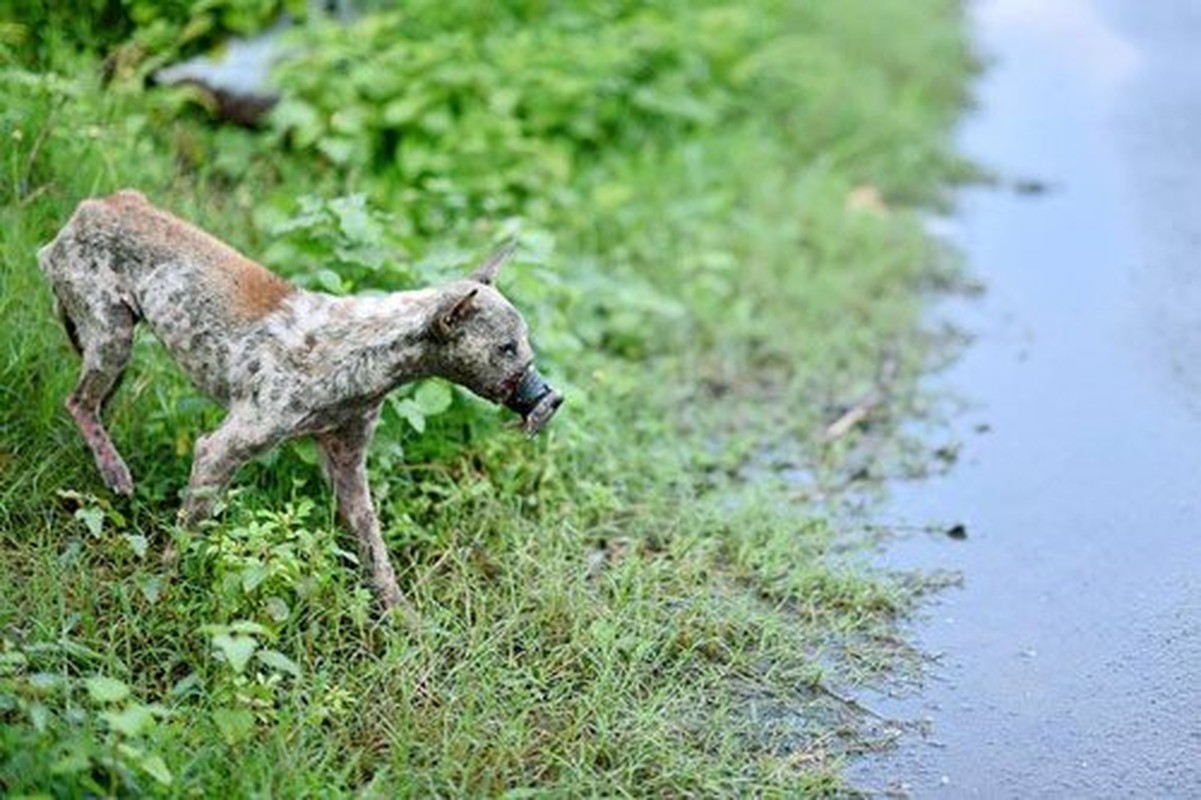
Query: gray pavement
{"x":1070,"y":661}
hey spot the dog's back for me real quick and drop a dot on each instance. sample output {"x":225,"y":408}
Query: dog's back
{"x":196,"y":293}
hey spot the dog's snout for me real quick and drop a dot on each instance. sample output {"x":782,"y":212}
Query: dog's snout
{"x":535,"y":400}
{"x":529,"y":390}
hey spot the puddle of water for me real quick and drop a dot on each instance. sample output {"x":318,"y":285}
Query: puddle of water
{"x":1070,"y":661}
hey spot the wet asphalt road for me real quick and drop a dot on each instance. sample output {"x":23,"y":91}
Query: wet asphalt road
{"x":1070,"y":661}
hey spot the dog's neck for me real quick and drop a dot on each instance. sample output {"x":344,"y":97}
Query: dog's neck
{"x":366,"y":345}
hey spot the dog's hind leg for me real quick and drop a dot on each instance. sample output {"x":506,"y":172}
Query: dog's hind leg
{"x":101,"y":328}
{"x":102,"y":368}
{"x":344,"y":462}
{"x":104,"y":360}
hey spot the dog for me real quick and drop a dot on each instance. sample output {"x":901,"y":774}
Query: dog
{"x":285,"y":362}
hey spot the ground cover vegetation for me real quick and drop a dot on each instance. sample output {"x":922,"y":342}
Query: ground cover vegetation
{"x":719,"y":255}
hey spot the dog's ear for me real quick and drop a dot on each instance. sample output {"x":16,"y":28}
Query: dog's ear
{"x":487,"y":273}
{"x":453,"y":312}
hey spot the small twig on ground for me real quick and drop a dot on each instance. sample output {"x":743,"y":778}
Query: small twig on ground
{"x":852,"y":417}
{"x":859,"y":412}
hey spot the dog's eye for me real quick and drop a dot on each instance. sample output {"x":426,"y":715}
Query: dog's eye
{"x":508,"y":349}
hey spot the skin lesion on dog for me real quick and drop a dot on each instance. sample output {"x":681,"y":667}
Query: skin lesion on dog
{"x":285,"y":362}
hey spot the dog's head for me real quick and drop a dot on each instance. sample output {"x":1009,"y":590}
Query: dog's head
{"x":482,"y":343}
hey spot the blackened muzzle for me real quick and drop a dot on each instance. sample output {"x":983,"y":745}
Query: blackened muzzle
{"x":529,"y":391}
{"x":535,"y":400}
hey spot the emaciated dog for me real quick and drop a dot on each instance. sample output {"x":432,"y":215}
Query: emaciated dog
{"x":285,"y":362}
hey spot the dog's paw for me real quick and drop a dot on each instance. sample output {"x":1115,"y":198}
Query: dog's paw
{"x":390,"y":595}
{"x":397,"y":607}
{"x":117,"y":478}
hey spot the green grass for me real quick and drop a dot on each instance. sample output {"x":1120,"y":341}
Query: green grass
{"x":638,"y":603}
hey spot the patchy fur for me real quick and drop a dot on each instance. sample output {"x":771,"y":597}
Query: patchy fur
{"x":285,"y":362}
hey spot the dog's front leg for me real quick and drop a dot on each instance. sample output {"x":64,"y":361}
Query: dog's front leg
{"x":344,"y":457}
{"x":240,"y":438}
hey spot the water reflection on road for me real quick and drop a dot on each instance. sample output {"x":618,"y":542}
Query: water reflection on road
{"x":1071,"y":658}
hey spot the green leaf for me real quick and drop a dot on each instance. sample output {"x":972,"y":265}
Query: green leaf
{"x":155,"y":767}
{"x":253,"y":576}
{"x":236,"y":648}
{"x":130,"y":721}
{"x":151,"y":587}
{"x":331,"y":282}
{"x":369,"y":256}
{"x":306,"y":451}
{"x":185,"y":685}
{"x":197,"y":26}
{"x":246,"y":626}
{"x":410,"y":412}
{"x":298,"y":117}
{"x":114,"y":516}
{"x":92,"y":518}
{"x":337,"y":149}
{"x":235,"y":724}
{"x":77,"y":650}
{"x":405,"y":109}
{"x":46,"y":682}
{"x":433,"y":398}
{"x":39,"y":717}
{"x":355,"y":219}
{"x":12,"y":662}
{"x":137,"y":543}
{"x":277,"y":609}
{"x":75,"y":760}
{"x":279,"y":662}
{"x":103,"y":689}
